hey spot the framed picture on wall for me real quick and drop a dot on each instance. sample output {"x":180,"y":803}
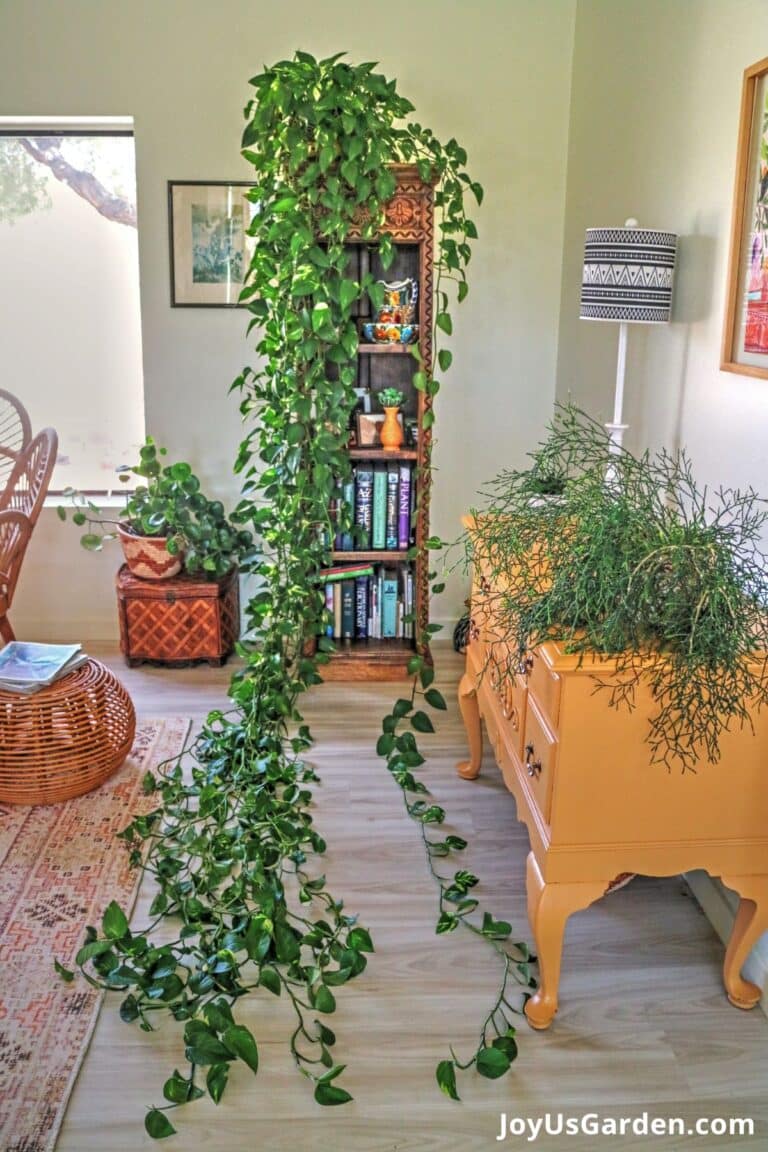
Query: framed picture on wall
{"x":745,"y":334}
{"x":210,"y":250}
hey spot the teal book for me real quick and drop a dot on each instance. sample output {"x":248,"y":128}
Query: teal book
{"x":380,"y":506}
{"x":389,"y":605}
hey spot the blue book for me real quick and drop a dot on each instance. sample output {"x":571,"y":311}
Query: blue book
{"x":389,"y":605}
{"x":346,"y":540}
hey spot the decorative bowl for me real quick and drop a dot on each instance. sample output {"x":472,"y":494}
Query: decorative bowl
{"x":376,"y":332}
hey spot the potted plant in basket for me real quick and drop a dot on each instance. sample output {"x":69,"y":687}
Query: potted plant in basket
{"x":167,"y":523}
{"x":391,"y":400}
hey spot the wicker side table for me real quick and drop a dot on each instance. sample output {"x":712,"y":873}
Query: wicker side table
{"x":66,"y":739}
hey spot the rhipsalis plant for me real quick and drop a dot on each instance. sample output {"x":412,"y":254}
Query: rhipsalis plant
{"x":239,"y":907}
{"x":634,"y":560}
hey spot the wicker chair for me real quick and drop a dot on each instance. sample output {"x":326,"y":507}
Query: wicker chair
{"x":15,"y":434}
{"x":20,"y":505}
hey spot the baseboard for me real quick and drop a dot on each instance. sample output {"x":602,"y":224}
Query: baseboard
{"x":719,"y":906}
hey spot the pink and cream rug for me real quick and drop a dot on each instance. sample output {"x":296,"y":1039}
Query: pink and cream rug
{"x":60,"y":866}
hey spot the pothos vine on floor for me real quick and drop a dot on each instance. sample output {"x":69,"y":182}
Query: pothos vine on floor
{"x":238,"y":907}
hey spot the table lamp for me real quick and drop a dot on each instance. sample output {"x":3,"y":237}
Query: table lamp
{"x":627,"y":278}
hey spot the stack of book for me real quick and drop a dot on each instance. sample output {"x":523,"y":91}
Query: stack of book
{"x":377,"y":508}
{"x":368,"y":602}
{"x":29,"y":667}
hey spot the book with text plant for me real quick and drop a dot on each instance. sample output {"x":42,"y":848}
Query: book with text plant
{"x":28,"y":667}
{"x":393,"y":480}
{"x":404,"y":508}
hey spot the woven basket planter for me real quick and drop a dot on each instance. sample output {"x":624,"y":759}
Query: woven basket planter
{"x":66,"y":739}
{"x":147,"y":556}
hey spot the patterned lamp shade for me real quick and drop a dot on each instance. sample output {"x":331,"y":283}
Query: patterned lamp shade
{"x":628,"y":275}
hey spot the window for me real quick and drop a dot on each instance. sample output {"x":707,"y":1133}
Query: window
{"x":70,"y":324}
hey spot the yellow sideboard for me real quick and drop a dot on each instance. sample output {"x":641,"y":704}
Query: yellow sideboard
{"x":594,"y":805}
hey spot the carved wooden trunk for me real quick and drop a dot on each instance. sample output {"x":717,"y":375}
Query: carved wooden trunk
{"x":178,"y":621}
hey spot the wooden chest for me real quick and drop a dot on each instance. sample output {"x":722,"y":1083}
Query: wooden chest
{"x":178,"y":621}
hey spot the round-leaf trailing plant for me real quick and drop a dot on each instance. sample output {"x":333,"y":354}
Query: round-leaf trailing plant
{"x":636,"y":561}
{"x":168,"y":504}
{"x":239,"y":907}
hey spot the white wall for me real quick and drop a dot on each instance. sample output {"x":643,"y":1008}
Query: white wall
{"x":654,"y":120}
{"x":495,"y":74}
{"x":653,"y":133}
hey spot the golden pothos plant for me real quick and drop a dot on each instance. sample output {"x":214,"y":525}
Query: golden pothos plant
{"x":231,"y":843}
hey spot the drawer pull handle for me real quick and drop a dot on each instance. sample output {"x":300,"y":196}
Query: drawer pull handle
{"x":525,"y":666}
{"x":514,"y":719}
{"x":533,"y":766}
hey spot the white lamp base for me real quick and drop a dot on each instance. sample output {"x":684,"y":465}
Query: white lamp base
{"x":616,"y":433}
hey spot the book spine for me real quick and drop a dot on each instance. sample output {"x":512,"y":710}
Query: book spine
{"x":379,"y":506}
{"x":404,"y":508}
{"x":347,"y":510}
{"x":389,"y":606}
{"x":348,"y":572}
{"x":410,"y":629}
{"x":393,"y":476}
{"x":364,"y":505}
{"x":348,"y":610}
{"x":329,"y":609}
{"x":361,"y":608}
{"x":337,"y":611}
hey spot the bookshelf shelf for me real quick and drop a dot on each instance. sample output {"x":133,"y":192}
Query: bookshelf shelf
{"x":385,"y":349}
{"x":369,"y":660}
{"x":383,"y":454}
{"x":387,"y":496}
{"x":374,"y":556}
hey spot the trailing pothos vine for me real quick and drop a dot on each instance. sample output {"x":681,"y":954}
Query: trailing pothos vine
{"x":239,"y":905}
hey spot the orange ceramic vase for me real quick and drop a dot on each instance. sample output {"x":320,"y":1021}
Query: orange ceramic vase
{"x":391,"y":430}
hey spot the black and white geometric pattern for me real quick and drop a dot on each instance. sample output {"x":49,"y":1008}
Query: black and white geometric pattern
{"x":628,"y":275}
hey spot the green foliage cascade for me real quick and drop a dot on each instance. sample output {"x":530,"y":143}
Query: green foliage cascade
{"x":240,"y":906}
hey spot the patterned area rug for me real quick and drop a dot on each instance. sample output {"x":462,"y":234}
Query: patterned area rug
{"x":60,"y":866}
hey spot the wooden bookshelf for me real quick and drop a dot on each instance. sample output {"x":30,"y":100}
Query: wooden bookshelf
{"x":410,"y":224}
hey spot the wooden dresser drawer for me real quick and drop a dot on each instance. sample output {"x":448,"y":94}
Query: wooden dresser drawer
{"x":514,"y":708}
{"x":539,"y":758}
{"x":544,"y":686}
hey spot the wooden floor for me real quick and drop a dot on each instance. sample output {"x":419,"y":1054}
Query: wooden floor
{"x":644,"y":1025}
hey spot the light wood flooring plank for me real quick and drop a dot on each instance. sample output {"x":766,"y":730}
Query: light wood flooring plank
{"x":644,"y":1024}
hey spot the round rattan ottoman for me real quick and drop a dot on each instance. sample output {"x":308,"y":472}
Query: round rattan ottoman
{"x":65,"y":739}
